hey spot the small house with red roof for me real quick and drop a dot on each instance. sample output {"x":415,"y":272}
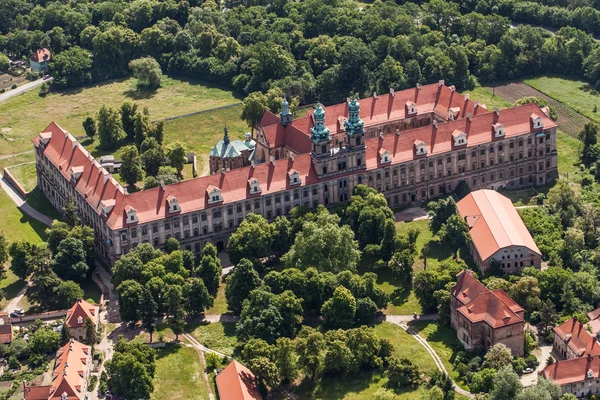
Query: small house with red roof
{"x":40,"y":60}
{"x":6,"y":329}
{"x":69,"y":377}
{"x":498,"y":233}
{"x":572,"y":340}
{"x":484,"y":317}
{"x":77,"y":316}
{"x":236,"y":382}
{"x":577,"y":376}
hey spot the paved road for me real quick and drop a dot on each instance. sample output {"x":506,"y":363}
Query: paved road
{"x":22,"y":89}
{"x":12,"y":304}
{"x":23,"y":206}
{"x":531,"y":379}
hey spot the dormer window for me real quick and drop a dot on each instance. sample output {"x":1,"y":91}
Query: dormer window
{"x":294,"y":177}
{"x":590,"y":374}
{"x":214,"y":194}
{"x":131,"y":215}
{"x":173,"y":204}
{"x":76,"y":173}
{"x":420,"y":148}
{"x":411,"y":107}
{"x":460,"y":138}
{"x":536,"y":121}
{"x":499,"y":130}
{"x":80,"y":320}
{"x":385,"y":156}
{"x":107,"y":206}
{"x":254,"y":185}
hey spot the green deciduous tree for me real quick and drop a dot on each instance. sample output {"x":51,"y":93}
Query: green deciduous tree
{"x":20,"y":253}
{"x":130,"y":294}
{"x":148,"y":312}
{"x":110,"y":130}
{"x":128,"y":113}
{"x":255,"y":105}
{"x":147,"y":72}
{"x":131,"y":166}
{"x":72,"y":68}
{"x":90,"y":332}
{"x":210,"y":268}
{"x":70,"y":260}
{"x":498,"y":356}
{"x":67,"y":294}
{"x":506,"y":385}
{"x":402,"y":372}
{"x":252,"y":239}
{"x":90,"y":128}
{"x":196,"y":296}
{"x":339,"y":311}
{"x":176,"y":153}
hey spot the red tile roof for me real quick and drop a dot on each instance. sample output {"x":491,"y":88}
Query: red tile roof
{"x":494,"y":307}
{"x":237,"y":382}
{"x":82,"y":309}
{"x":6,"y":331}
{"x":565,"y":372}
{"x":577,"y":337}
{"x":71,"y":364}
{"x":96,"y":185}
{"x":494,"y":223}
{"x":41,"y":55}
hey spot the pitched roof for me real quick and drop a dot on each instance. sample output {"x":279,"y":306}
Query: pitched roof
{"x":495,"y":307}
{"x":574,"y":370}
{"x":494,"y":223}
{"x":68,"y":375}
{"x":577,"y":337}
{"x":231,"y":149}
{"x":41,"y":55}
{"x":97,"y":185}
{"x":237,"y":382}
{"x":82,"y":309}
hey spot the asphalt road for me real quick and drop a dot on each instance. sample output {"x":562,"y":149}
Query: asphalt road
{"x":22,"y":89}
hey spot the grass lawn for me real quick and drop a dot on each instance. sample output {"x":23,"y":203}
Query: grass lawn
{"x":443,"y":340}
{"x":178,"y":374}
{"x":38,"y":201}
{"x":574,"y":93}
{"x":485,"y":96}
{"x":22,"y":117}
{"x":10,"y":285}
{"x":220,"y":305}
{"x":91,"y":292}
{"x":219,"y":336}
{"x":26,"y":175}
{"x":17,"y":225}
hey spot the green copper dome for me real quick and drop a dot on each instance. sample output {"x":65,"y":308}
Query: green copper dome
{"x":319,"y":132}
{"x":354,"y":124}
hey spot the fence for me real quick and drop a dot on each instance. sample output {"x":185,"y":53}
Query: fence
{"x":198,"y":112}
{"x":15,"y":184}
{"x":43,"y":316}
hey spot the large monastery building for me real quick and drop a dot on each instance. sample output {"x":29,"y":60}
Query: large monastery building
{"x":411,"y":146}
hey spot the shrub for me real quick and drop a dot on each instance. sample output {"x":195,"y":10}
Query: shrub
{"x":14,"y":86}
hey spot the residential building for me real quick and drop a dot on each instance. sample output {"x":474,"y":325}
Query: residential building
{"x":498,"y":235}
{"x":69,"y":377}
{"x":236,"y":382}
{"x":510,"y":148}
{"x":577,"y":376}
{"x":594,"y":323}
{"x":40,"y":60}
{"x":230,"y":154}
{"x":6,"y":329}
{"x":483,"y":317}
{"x":572,"y":340}
{"x":77,"y":316}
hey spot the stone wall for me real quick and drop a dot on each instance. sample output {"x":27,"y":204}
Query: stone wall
{"x":15,"y":184}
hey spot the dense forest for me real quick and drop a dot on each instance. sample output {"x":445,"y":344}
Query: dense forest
{"x":310,"y":49}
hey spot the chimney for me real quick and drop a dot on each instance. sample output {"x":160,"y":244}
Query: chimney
{"x":162,"y":184}
{"x":440,"y":83}
{"x":497,"y":111}
{"x":469,"y":117}
{"x":392,"y":92}
{"x":435,"y":123}
{"x":476,"y":105}
{"x":466,"y":97}
{"x":375,"y":95}
{"x":418,"y":86}
{"x":292,"y":156}
{"x":452,"y":88}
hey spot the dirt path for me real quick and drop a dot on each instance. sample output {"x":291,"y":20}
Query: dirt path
{"x":571,"y":122}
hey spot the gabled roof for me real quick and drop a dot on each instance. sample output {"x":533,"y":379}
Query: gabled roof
{"x":41,"y":55}
{"x":237,"y":382}
{"x":575,"y":370}
{"x":230,"y":150}
{"x":82,"y":309}
{"x":494,"y":223}
{"x":577,"y":337}
{"x":494,"y":307}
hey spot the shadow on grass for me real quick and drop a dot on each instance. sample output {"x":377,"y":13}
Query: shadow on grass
{"x":169,"y":349}
{"x":443,"y":334}
{"x":11,"y":291}
{"x":37,"y":226}
{"x":332,"y":387}
{"x":39,"y":202}
{"x":139,"y":94}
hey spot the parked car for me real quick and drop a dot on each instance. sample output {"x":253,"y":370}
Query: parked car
{"x":527,"y":371}
{"x":46,"y":77}
{"x":19,"y":311}
{"x":14,"y":315}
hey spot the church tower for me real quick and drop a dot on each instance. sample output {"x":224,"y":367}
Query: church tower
{"x":321,"y":142}
{"x":354,"y":126}
{"x":285,"y":116}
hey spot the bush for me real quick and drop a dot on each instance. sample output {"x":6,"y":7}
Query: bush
{"x":14,"y":86}
{"x":213,"y":361}
{"x":532,"y":361}
{"x":13,"y":363}
{"x":92,"y":383}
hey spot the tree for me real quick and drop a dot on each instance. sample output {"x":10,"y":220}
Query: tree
{"x":148,"y":312}
{"x":285,"y":359}
{"x":70,"y":260}
{"x":131,"y":370}
{"x":482,"y":381}
{"x":439,"y":212}
{"x":241,"y":282}
{"x":548,"y":315}
{"x":90,"y":332}
{"x":110,"y":130}
{"x":443,"y":299}
{"x":310,"y":353}
{"x":252,"y":239}
{"x":4,"y":62}
{"x":70,"y":213}
{"x":177,"y":321}
{"x":176,"y":153}
{"x":44,"y":341}
{"x":153,"y":156}
{"x":72,"y":68}
{"x":90,"y":128}
{"x":147,"y":72}
{"x":131,"y":166}
{"x":141,"y":127}
{"x":265,"y":370}
{"x":543,"y":389}
{"x":158,"y":132}
{"x":402,"y":372}
{"x":254,"y":107}
{"x":402,"y":265}
{"x":20,"y":252}
{"x":210,"y":268}
{"x":67,"y":294}
{"x":130,"y":295}
{"x":128,"y":114}
{"x":4,"y":252}
{"x":43,"y":280}
{"x":526,"y":292}
{"x":172,"y":245}
{"x":338,"y":358}
{"x":390,"y":75}
{"x":497,"y":357}
{"x":455,"y":231}
{"x":197,"y":297}
{"x":366,"y":310}
{"x":507,"y":385}
{"x":563,"y":202}
{"x":65,"y":334}
{"x":339,"y":310}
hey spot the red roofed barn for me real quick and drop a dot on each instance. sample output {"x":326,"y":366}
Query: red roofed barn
{"x":78,"y":314}
{"x":483,"y":317}
{"x":497,"y":233}
{"x":572,"y":340}
{"x":237,"y":382}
